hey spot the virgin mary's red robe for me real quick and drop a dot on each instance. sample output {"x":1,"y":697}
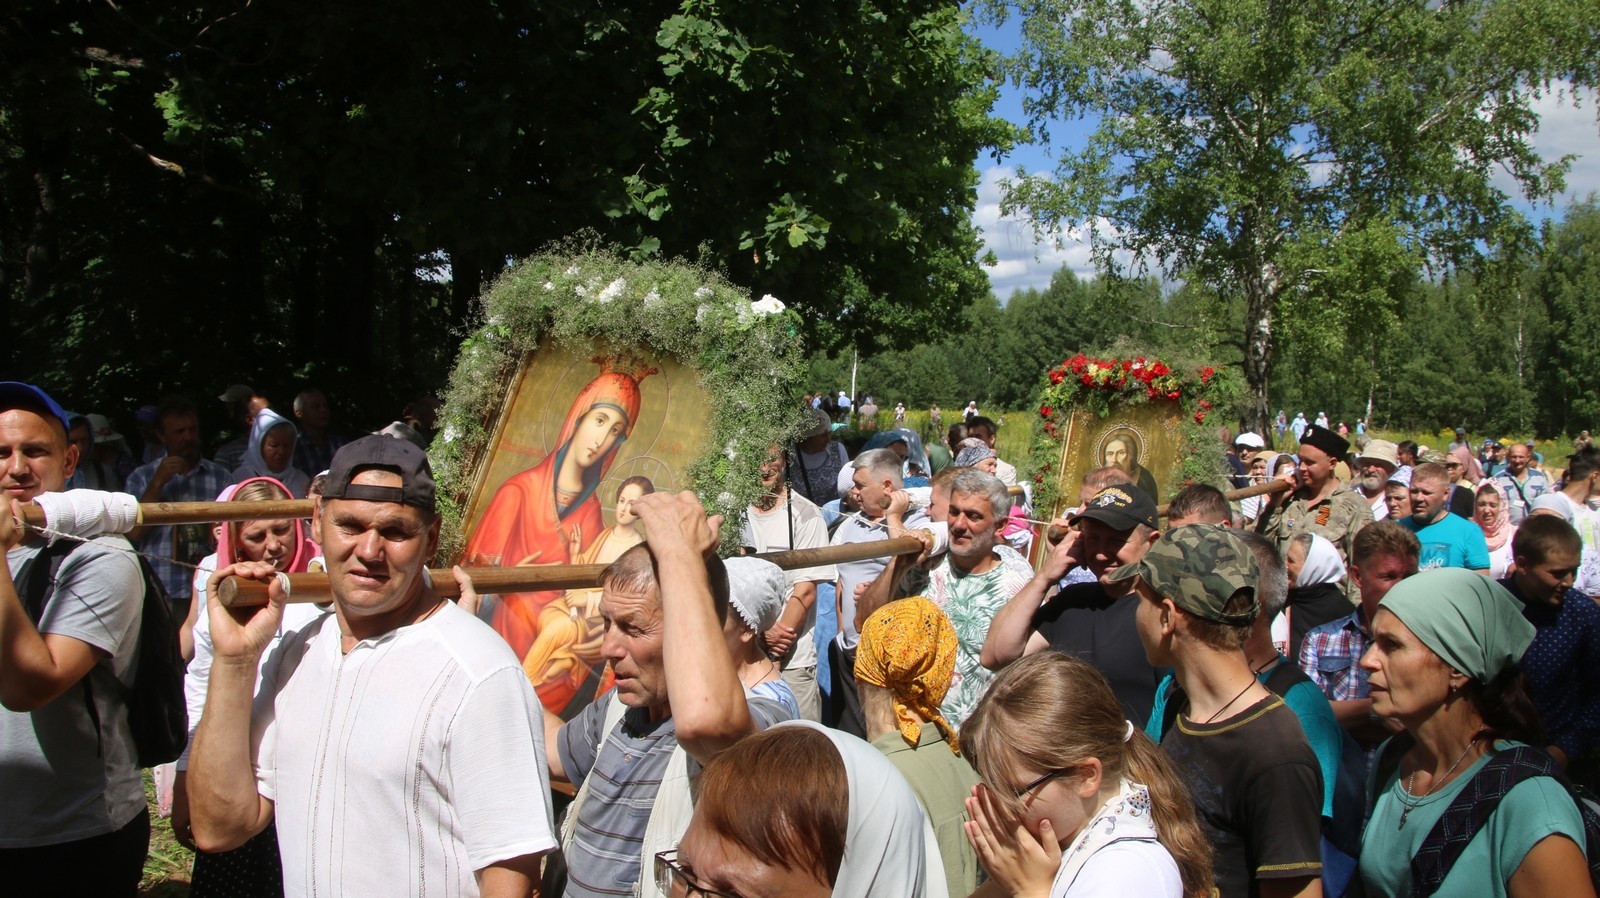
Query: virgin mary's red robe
{"x":521,"y":524}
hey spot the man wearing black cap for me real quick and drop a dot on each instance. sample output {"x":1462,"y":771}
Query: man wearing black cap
{"x":1321,"y":503}
{"x":396,"y":742}
{"x":1094,"y":620}
{"x":75,"y":819}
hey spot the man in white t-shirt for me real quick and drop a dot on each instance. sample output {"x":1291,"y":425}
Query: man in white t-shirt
{"x":778,"y":521}
{"x":396,"y":743}
{"x":884,"y":512}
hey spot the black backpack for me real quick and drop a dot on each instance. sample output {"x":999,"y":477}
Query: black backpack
{"x":1471,"y":809}
{"x":157,"y":712}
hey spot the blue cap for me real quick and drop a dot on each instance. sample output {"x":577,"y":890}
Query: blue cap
{"x":14,"y":394}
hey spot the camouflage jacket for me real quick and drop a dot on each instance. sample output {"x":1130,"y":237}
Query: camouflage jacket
{"x":1336,"y":519}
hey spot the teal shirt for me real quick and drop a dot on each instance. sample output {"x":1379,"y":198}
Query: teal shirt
{"x":1536,"y":808}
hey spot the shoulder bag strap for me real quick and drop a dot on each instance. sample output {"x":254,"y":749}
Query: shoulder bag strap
{"x":1470,"y":810}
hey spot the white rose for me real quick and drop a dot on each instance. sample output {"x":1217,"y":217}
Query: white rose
{"x":652,"y":298}
{"x":548,"y":286}
{"x":451,"y":433}
{"x":613,"y":290}
{"x":726,"y":500}
{"x":767,"y":305}
{"x":571,"y":272}
{"x":702,"y":293}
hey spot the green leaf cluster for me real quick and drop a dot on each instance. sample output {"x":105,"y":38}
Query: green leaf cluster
{"x":1295,"y":154}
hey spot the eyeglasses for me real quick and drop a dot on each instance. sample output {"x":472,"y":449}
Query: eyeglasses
{"x":674,"y":882}
{"x":1042,"y":780}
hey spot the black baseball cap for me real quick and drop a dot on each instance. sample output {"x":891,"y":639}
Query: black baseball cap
{"x":385,"y":454}
{"x":1122,"y":506}
{"x":14,"y":394}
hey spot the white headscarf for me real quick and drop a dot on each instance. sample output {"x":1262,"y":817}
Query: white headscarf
{"x":1323,"y":564}
{"x":889,"y":849}
{"x":253,"y":465}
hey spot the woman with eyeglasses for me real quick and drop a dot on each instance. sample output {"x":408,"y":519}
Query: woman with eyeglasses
{"x":1075,"y":799}
{"x":835,"y":819}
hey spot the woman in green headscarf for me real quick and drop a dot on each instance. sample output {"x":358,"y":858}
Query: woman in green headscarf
{"x":1443,"y":664}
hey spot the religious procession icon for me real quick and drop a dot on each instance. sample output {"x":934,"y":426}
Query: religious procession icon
{"x":1142,"y":415}
{"x":593,"y":382}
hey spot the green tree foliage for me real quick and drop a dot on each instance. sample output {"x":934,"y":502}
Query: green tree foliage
{"x":1511,"y":350}
{"x":200,"y":192}
{"x":1567,"y":286}
{"x":999,"y":354}
{"x":1300,"y":158}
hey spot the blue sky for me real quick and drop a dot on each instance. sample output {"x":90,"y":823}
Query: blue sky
{"x":1024,"y":261}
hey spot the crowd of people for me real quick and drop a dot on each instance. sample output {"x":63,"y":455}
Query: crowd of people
{"x":1354,"y":684}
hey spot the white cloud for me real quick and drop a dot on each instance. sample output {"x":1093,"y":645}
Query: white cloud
{"x":1566,"y":125}
{"x":1025,"y":260}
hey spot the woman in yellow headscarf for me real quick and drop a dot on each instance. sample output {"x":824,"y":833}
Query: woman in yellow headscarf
{"x":904,"y":663}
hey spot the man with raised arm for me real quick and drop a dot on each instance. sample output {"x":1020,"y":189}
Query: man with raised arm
{"x":678,"y":702}
{"x":396,"y":743}
{"x":1092,"y":620}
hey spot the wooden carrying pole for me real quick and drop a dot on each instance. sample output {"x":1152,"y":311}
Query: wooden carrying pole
{"x":1057,"y":533}
{"x":162,"y":513}
{"x":236,"y":593}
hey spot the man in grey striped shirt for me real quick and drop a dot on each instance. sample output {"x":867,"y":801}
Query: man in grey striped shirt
{"x":678,"y":702}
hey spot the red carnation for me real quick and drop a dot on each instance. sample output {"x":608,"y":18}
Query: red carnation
{"x":1057,"y":377}
{"x":1205,"y":404}
{"x":1206,"y":374}
{"x":1045,"y":410}
{"x":1126,"y":365}
{"x":1038,"y":478}
{"x":1088,"y":381}
{"x":1160,"y":369}
{"x":1173,"y":395}
{"x":1152,"y":392}
{"x":1199,"y":417}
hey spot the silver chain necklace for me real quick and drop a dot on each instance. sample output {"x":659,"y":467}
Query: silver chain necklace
{"x":1405,"y":811}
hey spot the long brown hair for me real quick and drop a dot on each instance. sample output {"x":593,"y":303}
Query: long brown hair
{"x":1052,"y":711}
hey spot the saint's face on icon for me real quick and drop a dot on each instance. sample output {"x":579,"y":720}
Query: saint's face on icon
{"x":629,"y":494}
{"x":1119,"y":454}
{"x":596,"y":434}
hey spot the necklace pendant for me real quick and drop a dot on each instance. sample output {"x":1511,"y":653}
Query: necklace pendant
{"x":1403,"y":812}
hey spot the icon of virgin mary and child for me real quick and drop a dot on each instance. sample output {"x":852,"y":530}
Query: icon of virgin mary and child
{"x":550,"y":514}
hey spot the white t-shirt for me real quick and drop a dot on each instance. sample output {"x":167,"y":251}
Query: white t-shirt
{"x":197,"y":677}
{"x":1131,"y":867}
{"x":405,"y":765}
{"x":771,"y":530}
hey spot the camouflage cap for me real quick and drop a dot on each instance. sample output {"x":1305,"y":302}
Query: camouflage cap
{"x":1199,"y":567}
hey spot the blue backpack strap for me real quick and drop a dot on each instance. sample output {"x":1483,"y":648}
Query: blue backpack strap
{"x":1470,"y":810}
